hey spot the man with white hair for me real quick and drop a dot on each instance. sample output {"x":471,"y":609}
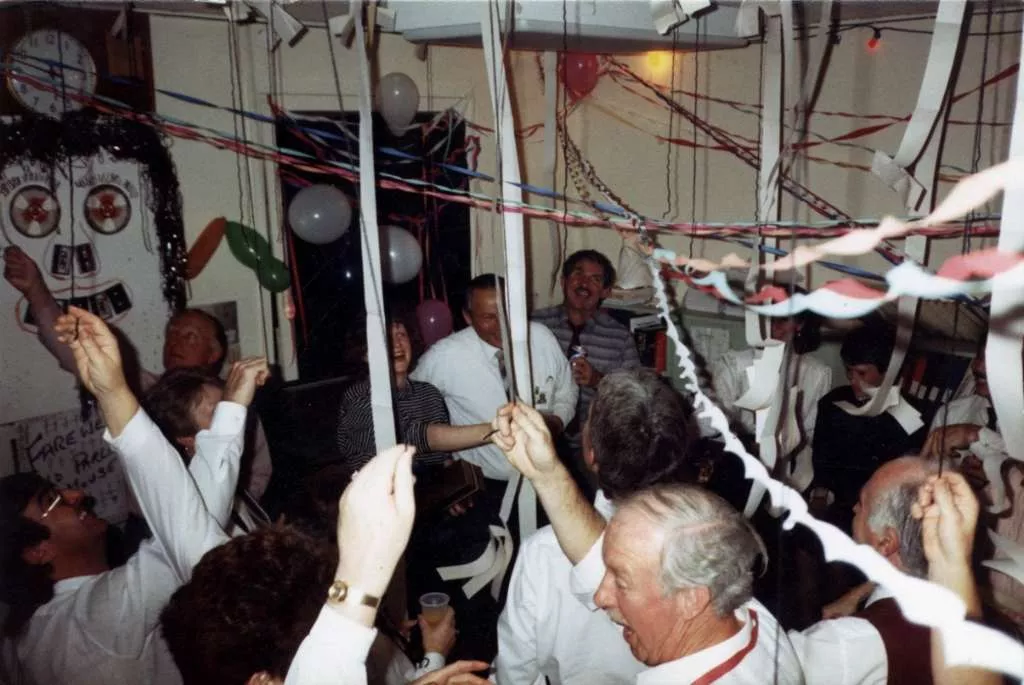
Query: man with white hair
{"x":675,"y":570}
{"x":877,"y":644}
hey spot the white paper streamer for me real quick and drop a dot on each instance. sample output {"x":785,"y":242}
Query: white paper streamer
{"x":945,"y":45}
{"x":378,"y":350}
{"x":920,"y":601}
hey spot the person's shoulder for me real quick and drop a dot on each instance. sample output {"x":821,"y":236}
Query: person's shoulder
{"x":605,"y":320}
{"x":547,"y":315}
{"x":356,"y":390}
{"x":542,"y":335}
{"x":450,"y":344}
{"x":842,"y":393}
{"x":542,"y":547}
{"x":426,"y":390}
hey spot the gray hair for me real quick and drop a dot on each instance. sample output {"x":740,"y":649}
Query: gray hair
{"x":707,"y":543}
{"x":892,"y":508}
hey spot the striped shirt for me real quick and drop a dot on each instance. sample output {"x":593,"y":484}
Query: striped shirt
{"x":609,"y":346}
{"x":419,"y":405}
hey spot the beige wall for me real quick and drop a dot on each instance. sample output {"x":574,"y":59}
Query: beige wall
{"x":191,"y":56}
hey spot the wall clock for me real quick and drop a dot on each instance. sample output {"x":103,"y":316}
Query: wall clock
{"x":72,"y":45}
{"x":50,"y":72}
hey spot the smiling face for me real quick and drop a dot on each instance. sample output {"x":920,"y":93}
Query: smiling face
{"x":68,"y":515}
{"x":631,"y":590}
{"x":584,"y":286}
{"x":401,"y":350}
{"x":190,"y":342}
{"x":482,"y":315}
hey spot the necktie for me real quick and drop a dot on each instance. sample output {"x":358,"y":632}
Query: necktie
{"x":500,"y":357}
{"x":993,"y":421}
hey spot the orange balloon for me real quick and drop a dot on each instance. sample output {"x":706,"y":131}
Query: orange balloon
{"x":202,"y":249}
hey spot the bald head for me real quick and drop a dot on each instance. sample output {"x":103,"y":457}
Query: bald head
{"x":882,"y":516}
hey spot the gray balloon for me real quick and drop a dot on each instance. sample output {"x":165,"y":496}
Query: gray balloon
{"x":320,"y":214}
{"x":398,"y":100}
{"x":401,"y":256}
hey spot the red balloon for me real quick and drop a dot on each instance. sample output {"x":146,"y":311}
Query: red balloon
{"x":435,"y":320}
{"x":580,"y":73}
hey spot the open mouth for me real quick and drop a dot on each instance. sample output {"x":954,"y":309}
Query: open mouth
{"x":582,"y":292}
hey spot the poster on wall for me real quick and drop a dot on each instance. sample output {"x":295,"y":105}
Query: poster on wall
{"x":87,"y":226}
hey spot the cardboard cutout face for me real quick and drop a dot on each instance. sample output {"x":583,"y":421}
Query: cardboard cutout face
{"x":93,"y":242}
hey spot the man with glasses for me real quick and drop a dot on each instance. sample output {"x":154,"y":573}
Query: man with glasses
{"x":73,"y":618}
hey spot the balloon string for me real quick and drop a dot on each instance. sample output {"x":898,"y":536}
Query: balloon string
{"x":297,"y":287}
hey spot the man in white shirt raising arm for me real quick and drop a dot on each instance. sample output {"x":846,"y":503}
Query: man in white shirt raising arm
{"x":675,"y":570}
{"x":639,"y":432}
{"x":83,"y":622}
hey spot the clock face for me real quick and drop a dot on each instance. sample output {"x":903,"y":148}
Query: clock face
{"x":48,"y":71}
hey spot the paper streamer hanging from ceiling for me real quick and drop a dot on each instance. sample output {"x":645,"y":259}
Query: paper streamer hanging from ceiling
{"x":895,"y":171}
{"x":550,"y":66}
{"x":669,"y":14}
{"x":965,"y":643}
{"x":378,"y":349}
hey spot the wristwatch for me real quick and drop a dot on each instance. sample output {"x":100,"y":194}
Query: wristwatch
{"x":341,"y":592}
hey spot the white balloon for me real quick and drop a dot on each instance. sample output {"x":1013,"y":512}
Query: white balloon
{"x":401,"y":256}
{"x":398,"y":100}
{"x":320,"y":214}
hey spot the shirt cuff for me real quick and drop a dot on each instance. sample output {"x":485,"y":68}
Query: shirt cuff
{"x":228,"y":417}
{"x":333,"y":631}
{"x":586,"y":576}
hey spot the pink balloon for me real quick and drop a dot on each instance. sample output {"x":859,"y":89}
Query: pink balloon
{"x":435,"y":320}
{"x":580,"y":73}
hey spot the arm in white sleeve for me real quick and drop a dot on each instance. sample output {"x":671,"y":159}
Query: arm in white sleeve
{"x":334,"y":652}
{"x":586,"y":576}
{"x":217,"y":461}
{"x":166,"y":493}
{"x":431,"y":662}
{"x":431,"y":367}
{"x":262,"y":467}
{"x":516,"y":663}
{"x":564,"y":390}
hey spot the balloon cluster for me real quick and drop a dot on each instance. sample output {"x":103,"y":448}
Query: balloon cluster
{"x":253,"y":250}
{"x":401,"y":255}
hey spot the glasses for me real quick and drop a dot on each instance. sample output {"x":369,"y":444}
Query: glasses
{"x":57,"y":499}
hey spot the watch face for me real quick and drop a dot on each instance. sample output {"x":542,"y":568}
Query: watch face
{"x":50,"y":72}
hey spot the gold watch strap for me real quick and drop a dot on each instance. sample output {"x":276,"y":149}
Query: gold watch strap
{"x":341,"y":592}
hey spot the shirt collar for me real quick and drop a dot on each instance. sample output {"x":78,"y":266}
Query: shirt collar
{"x":691,"y":667}
{"x":68,"y":585}
{"x":605,"y":507}
{"x":879,"y":593}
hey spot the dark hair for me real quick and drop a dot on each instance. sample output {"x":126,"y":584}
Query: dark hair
{"x":248,"y":606}
{"x":171,"y":400}
{"x":482,"y":282}
{"x":404,"y":315}
{"x":219,"y":334}
{"x":871,"y":344}
{"x":590,"y":256}
{"x":642,"y":432}
{"x":24,"y":587}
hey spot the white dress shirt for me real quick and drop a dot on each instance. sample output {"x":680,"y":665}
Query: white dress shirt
{"x":465,"y":369}
{"x":103,"y":629}
{"x":971,"y":409}
{"x":767,"y":657}
{"x":843,"y":651}
{"x":333,"y":653}
{"x":545,"y":631}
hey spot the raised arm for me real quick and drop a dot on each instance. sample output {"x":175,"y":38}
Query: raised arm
{"x":23,"y":273}
{"x":218,"y":456}
{"x":162,"y":485}
{"x":525,"y":439}
{"x":948,"y":511}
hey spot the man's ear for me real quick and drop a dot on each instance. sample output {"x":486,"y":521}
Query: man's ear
{"x":466,"y":317}
{"x":43,"y":552}
{"x":693,"y":601}
{"x":888,"y":543}
{"x":590,"y":459}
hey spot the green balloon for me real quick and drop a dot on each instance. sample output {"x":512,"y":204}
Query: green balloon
{"x":273,"y":275}
{"x":248,"y":246}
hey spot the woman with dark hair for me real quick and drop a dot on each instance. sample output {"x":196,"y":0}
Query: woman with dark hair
{"x":808,"y":381}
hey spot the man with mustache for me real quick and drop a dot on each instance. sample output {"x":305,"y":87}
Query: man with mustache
{"x":595,"y":343}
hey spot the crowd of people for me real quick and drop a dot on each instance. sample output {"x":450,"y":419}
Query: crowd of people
{"x":647,"y":570}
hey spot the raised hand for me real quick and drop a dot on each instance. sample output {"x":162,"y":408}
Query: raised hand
{"x":97,"y":354}
{"x":523,"y":436}
{"x":459,"y":673}
{"x":375,"y":517}
{"x":21,"y":272}
{"x":945,"y":441}
{"x":948,"y":511}
{"x":244,"y":377}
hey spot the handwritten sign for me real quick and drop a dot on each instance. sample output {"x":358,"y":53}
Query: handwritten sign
{"x":71,"y":453}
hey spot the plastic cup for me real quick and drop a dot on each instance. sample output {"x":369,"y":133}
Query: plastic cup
{"x":433,"y":606}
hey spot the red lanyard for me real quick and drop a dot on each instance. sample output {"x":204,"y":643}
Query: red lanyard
{"x":733,"y":661}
